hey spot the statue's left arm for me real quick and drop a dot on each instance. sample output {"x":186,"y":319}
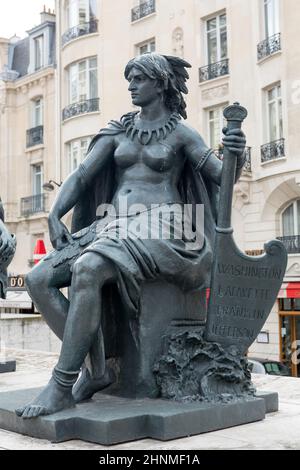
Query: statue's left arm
{"x":204,"y":158}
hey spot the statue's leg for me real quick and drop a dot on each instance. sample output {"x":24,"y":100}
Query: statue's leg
{"x":91,"y":271}
{"x":43,"y":283}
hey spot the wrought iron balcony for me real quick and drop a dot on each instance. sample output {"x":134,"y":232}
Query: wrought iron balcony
{"x":269,"y":46}
{"x":144,"y":9}
{"x":32,"y":205}
{"x":291,"y":243}
{"x":272,"y":150}
{"x":80,"y":30}
{"x":83,"y":107}
{"x":247,"y":166}
{"x":218,"y":69}
{"x":35,"y":136}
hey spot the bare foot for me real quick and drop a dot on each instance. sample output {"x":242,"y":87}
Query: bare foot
{"x":86,"y":386}
{"x":53,"y":398}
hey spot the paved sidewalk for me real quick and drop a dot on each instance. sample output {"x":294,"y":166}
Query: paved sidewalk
{"x":278,"y":431}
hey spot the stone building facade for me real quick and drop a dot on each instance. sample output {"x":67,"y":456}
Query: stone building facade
{"x":27,"y":135}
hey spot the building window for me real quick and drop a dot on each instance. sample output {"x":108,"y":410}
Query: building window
{"x":290,"y":227}
{"x":39,"y":52}
{"x":83,"y":81}
{"x":271,"y":17}
{"x":275,"y":148}
{"x":77,"y":150}
{"x":144,"y":8}
{"x":35,"y":203}
{"x":291,"y":220}
{"x":145,"y":47}
{"x":37,"y":179}
{"x":72,"y":14}
{"x":80,"y":12}
{"x":272,"y":41}
{"x":80,"y":19}
{"x":274,"y":113}
{"x":216,"y":33}
{"x":216,"y":122}
{"x":35,"y":135}
{"x":216,"y":49}
{"x":83,"y":89}
{"x":37,"y":113}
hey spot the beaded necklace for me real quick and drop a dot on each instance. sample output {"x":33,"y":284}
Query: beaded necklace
{"x":145,"y":131}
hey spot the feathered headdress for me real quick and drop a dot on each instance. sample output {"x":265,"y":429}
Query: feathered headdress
{"x":171,"y":71}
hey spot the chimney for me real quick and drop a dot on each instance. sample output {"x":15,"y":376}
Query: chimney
{"x":47,"y":15}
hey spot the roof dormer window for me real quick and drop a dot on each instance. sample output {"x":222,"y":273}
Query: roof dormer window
{"x":39,"y":52}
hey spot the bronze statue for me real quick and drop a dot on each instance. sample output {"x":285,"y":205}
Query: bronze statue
{"x":150,"y":157}
{"x":7,"y":251}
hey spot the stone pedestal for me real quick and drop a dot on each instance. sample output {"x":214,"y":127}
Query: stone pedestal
{"x":141,"y":343}
{"x":110,"y":420}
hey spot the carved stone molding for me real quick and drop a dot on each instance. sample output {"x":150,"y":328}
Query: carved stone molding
{"x":216,"y":92}
{"x":242,"y":190}
{"x":294,"y":269}
{"x":33,"y":82}
{"x":178,"y":42}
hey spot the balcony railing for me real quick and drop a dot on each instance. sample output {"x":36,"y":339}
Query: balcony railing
{"x":80,"y":30}
{"x":272,"y":151}
{"x":247,"y":166}
{"x":291,"y":243}
{"x":269,"y":46}
{"x":35,"y":136}
{"x":32,"y":205}
{"x":144,"y":9}
{"x":218,"y":69}
{"x":83,"y":107}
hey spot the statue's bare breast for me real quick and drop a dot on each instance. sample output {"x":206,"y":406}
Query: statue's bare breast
{"x":147,"y":174}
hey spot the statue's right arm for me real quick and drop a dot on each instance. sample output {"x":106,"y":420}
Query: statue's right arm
{"x":7,"y":242}
{"x":83,"y":176}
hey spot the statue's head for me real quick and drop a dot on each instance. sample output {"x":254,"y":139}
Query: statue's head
{"x":169,"y":75}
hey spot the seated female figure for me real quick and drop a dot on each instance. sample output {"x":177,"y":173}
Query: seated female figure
{"x":151,"y":158}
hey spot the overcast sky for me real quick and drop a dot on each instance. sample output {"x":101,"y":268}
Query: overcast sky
{"x":17,"y":16}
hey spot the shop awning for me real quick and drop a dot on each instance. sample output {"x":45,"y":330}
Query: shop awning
{"x":289,"y":290}
{"x":16,"y":299}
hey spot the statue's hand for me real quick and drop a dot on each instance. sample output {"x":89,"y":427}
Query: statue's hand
{"x":235,"y":141}
{"x":7,"y":245}
{"x":59,"y":234}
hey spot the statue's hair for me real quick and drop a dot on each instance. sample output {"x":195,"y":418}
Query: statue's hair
{"x":169,"y":70}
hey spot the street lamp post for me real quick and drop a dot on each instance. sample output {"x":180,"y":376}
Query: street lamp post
{"x":49,"y":185}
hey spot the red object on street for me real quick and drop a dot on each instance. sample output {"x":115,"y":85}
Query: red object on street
{"x":39,"y":251}
{"x":289,"y":290}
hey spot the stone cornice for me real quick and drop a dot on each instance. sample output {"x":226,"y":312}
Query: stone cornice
{"x":37,"y":78}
